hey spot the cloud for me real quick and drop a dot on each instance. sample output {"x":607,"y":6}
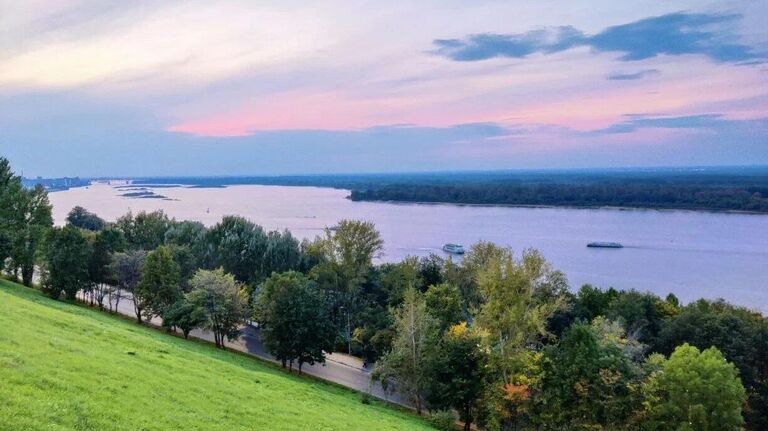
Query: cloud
{"x":637,"y":122}
{"x":619,"y":76}
{"x":485,"y":46}
{"x":671,"y":34}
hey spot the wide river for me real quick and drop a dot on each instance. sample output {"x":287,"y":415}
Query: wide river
{"x":692,"y":254}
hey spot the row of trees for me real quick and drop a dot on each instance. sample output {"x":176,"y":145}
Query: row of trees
{"x":498,"y":339}
{"x":514,"y":349}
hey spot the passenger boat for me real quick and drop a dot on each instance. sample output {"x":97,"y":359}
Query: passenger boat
{"x":453,"y":248}
{"x":604,"y":244}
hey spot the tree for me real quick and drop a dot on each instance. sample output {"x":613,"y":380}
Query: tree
{"x":346,"y":255}
{"x":10,"y":189}
{"x":184,"y":315}
{"x":145,"y":231}
{"x":221,"y":302}
{"x":444,"y":303}
{"x":591,"y":302}
{"x":31,"y":219}
{"x":517,"y":297}
{"x":100,"y":270}
{"x":82,"y":218}
{"x":740,"y":334}
{"x":639,"y":312}
{"x":159,"y":286}
{"x":237,"y":245}
{"x":189,"y":234}
{"x":294,"y":319}
{"x":515,"y":304}
{"x":128,"y":267}
{"x":67,"y":254}
{"x":353,"y":245}
{"x":588,"y":382}
{"x":696,"y":390}
{"x":457,"y":373}
{"x":407,"y":365}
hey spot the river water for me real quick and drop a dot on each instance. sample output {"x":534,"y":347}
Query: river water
{"x":691,"y":254}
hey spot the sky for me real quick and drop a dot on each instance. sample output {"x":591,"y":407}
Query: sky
{"x":115,"y":88}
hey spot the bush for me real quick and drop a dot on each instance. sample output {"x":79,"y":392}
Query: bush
{"x":443,"y":420}
{"x":365,"y":398}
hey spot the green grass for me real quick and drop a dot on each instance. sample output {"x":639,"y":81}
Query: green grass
{"x":66,"y":367}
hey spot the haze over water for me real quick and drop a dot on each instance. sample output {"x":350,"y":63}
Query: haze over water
{"x":691,"y":254}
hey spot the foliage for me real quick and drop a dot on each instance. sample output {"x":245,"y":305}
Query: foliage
{"x":742,"y":337}
{"x":711,"y":192}
{"x":220,"y":301}
{"x":144,"y":231}
{"x":588,"y":383}
{"x":183,"y":315}
{"x":457,"y":373}
{"x":443,"y":420}
{"x":30,"y":219}
{"x":294,"y":321}
{"x":66,"y":262}
{"x":407,"y":364}
{"x":696,"y":390}
{"x":444,"y":303}
{"x":159,"y":286}
{"x":128,"y":267}
{"x":82,"y":218}
{"x":100,"y":269}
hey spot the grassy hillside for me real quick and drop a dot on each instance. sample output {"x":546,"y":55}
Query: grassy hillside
{"x":67,"y":367}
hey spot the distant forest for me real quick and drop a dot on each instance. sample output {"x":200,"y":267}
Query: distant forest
{"x":713,"y":189}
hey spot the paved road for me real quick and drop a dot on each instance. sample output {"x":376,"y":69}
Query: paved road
{"x":339,"y":368}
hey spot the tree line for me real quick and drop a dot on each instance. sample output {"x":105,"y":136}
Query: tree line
{"x":495,"y":339}
{"x":611,"y":194}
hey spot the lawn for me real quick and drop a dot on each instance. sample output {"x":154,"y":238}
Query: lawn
{"x":65,"y":367}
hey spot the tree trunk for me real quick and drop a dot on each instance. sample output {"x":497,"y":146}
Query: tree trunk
{"x":26,"y":275}
{"x":300,"y":364}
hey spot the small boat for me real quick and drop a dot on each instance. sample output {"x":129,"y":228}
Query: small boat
{"x":453,"y":248}
{"x":604,"y":244}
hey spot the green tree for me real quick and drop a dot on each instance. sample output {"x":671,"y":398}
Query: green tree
{"x":128,"y":267}
{"x":10,"y":189}
{"x":67,"y":254}
{"x":407,"y":365}
{"x":590,"y":381}
{"x":294,"y":319}
{"x":457,"y":374}
{"x":238,"y":246}
{"x":346,"y":254}
{"x":144,"y":231}
{"x":591,"y":302}
{"x":740,"y":334}
{"x":189,"y":234}
{"x":444,"y":303}
{"x":31,"y":219}
{"x":696,"y":390}
{"x":100,"y":269}
{"x":184,"y":315}
{"x":517,"y":299}
{"x":82,"y":218}
{"x":220,"y":301}
{"x":353,"y":245}
{"x":159,"y":286}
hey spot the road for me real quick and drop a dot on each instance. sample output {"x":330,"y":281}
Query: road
{"x":339,"y":368}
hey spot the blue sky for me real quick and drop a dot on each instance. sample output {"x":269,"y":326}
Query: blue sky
{"x":247,"y":87}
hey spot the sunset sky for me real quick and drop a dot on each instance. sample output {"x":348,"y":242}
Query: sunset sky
{"x":247,"y":87}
